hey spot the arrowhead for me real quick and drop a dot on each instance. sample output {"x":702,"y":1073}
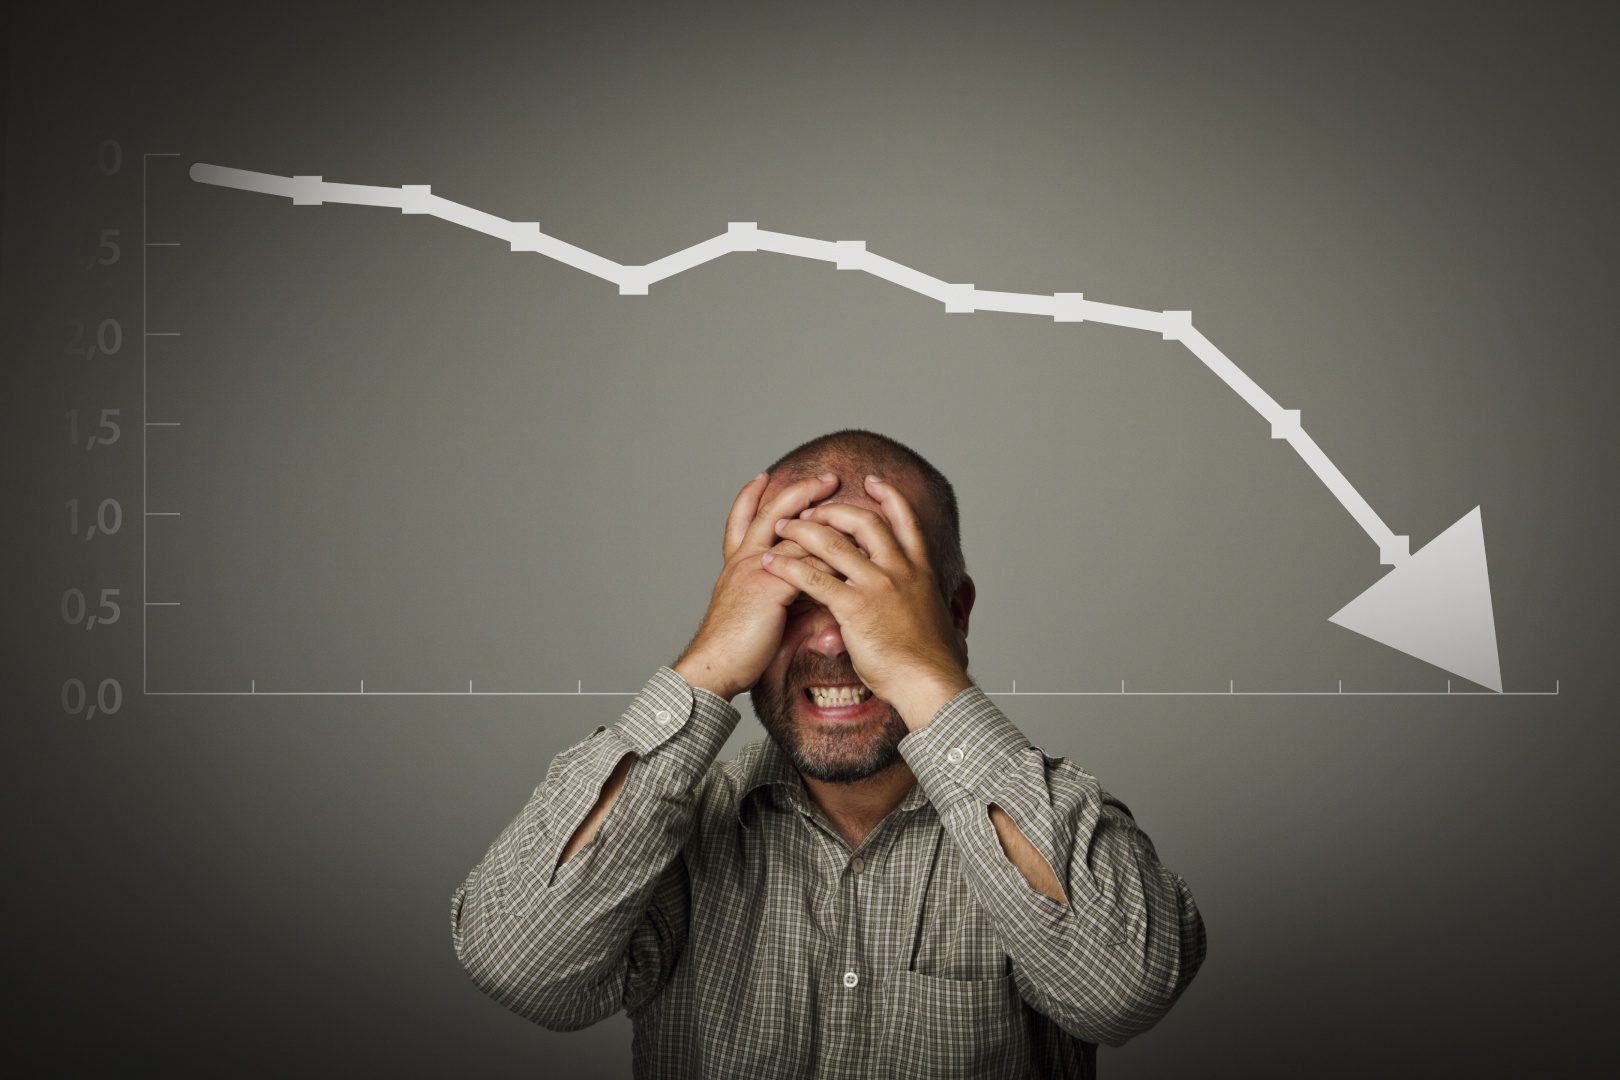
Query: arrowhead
{"x":1436,"y":606}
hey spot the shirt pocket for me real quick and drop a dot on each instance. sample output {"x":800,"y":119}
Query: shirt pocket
{"x":944,"y":1028}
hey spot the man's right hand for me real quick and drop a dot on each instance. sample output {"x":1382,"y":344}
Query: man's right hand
{"x":747,"y":612}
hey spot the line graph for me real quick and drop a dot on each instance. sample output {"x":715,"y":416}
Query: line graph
{"x":1435,"y":604}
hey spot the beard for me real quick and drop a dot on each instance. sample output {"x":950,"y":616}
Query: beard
{"x":833,"y":754}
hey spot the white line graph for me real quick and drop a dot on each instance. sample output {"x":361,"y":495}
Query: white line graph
{"x":743,"y":236}
{"x":1434,"y":605}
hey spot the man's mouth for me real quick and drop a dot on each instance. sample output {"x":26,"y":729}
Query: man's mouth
{"x":832,"y":697}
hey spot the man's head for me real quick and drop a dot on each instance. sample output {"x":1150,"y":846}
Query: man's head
{"x":812,"y":651}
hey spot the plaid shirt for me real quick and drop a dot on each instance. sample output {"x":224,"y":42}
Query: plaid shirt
{"x":719,"y":907}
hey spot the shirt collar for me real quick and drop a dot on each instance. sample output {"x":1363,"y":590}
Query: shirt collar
{"x":771,"y":768}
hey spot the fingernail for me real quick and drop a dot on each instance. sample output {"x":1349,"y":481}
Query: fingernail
{"x":761,"y":476}
{"x":829,"y":476}
{"x":874,"y":478}
{"x":766,"y":558}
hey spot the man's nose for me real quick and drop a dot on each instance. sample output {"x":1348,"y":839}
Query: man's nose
{"x":825,"y":636}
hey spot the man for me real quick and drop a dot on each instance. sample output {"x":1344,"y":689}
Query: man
{"x":894,"y":883}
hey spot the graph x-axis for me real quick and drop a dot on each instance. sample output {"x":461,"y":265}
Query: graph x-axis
{"x":254,"y":691}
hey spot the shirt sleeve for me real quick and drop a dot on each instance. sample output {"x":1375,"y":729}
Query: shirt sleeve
{"x":1111,"y":961}
{"x":566,"y":946}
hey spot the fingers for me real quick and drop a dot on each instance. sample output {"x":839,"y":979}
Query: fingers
{"x":868,"y":528}
{"x":792,"y":549}
{"x":795,"y":599}
{"x":802,"y":601}
{"x":816,"y":584}
{"x":743,"y":508}
{"x":761,"y":532}
{"x":833,"y":546}
{"x":902,"y":519}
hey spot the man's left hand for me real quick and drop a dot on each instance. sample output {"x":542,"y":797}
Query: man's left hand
{"x":899,"y":633}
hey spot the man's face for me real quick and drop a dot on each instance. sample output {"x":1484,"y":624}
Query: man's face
{"x":829,"y":743}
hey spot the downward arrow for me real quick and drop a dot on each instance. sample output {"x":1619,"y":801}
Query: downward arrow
{"x":1436,"y":605}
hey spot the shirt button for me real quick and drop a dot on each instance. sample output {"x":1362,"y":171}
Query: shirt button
{"x":850,"y":979}
{"x":663,"y":716}
{"x":954,"y":755}
{"x":856,"y":864}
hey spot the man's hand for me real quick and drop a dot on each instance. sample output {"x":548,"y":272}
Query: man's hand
{"x":900,"y":635}
{"x":747,"y":612}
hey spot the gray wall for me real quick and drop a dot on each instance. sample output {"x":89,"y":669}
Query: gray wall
{"x":410,"y":457}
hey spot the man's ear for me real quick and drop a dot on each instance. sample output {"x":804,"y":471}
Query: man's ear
{"x":962,"y":603}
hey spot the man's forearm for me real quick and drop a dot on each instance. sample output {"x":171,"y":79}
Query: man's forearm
{"x":544,"y":922}
{"x":1036,"y":870}
{"x":927,"y":694}
{"x":1103,"y":938}
{"x":702,"y":675}
{"x":593,"y":821}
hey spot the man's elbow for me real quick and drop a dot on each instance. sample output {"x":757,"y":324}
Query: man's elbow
{"x":556,"y":1005}
{"x":556,"y":1000}
{"x":1117,"y":1013}
{"x":1137,"y":988}
{"x":1164,"y":969}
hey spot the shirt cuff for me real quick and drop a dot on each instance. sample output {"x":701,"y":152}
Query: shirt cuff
{"x":667,"y":705}
{"x":963,"y":749}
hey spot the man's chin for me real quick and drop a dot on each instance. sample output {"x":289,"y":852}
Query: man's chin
{"x":842,"y":751}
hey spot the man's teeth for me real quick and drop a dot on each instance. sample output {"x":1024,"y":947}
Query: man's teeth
{"x":828,"y":698}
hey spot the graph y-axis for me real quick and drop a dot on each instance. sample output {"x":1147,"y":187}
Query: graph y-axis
{"x":145,"y":413}
{"x":145,"y":416}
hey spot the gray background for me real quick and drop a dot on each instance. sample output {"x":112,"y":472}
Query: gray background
{"x":410,"y":457}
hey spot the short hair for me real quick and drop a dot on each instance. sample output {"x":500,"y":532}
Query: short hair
{"x":859,"y":451}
